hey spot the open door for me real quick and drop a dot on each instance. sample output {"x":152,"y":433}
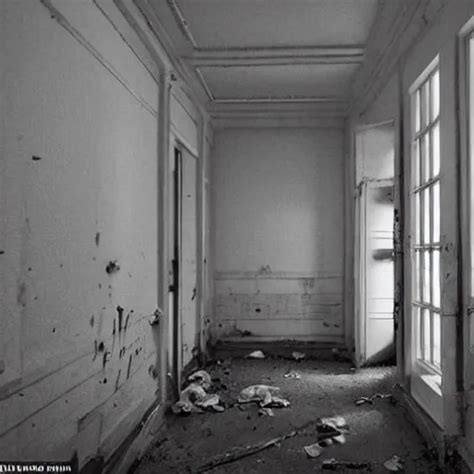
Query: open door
{"x":374,"y":266}
{"x":188,"y":300}
{"x":183,"y":251}
{"x":375,"y":272}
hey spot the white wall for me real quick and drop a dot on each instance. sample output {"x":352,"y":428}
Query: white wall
{"x":89,"y":199}
{"x":278,"y":232}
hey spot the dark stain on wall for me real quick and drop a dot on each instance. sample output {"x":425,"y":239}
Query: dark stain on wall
{"x":120,"y":311}
{"x":112,"y":267}
{"x":129,"y":366}
{"x":21,"y":295}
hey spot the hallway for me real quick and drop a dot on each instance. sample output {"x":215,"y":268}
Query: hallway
{"x":187,"y":179}
{"x":376,"y":432}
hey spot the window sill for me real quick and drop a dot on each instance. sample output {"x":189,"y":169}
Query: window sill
{"x":426,"y":390}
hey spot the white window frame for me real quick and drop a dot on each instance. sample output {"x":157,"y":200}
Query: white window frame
{"x":426,"y":246}
{"x":466,"y":106}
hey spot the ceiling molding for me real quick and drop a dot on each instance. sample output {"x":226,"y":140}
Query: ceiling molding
{"x":280,"y":100}
{"x":234,"y":57}
{"x":390,"y":39}
{"x":220,"y":123}
{"x":181,"y":21}
{"x":188,"y":80}
{"x":203,"y":82}
{"x":290,"y":111}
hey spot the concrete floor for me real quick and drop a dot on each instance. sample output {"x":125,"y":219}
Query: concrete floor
{"x":377,"y":432}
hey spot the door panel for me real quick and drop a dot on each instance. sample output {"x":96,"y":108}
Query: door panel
{"x":188,"y":298}
{"x":376,"y":273}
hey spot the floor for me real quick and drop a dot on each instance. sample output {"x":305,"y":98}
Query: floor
{"x":376,"y":431}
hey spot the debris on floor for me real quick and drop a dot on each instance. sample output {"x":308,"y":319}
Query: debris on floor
{"x":370,"y":400}
{"x":322,"y":403}
{"x":292,"y":375}
{"x":330,"y":431}
{"x":201,"y":377}
{"x":194,"y":398}
{"x":264,"y":395}
{"x":394,"y":464}
{"x":256,"y":355}
{"x":240,"y":452}
{"x":313,"y":450}
{"x":334,"y":465}
{"x":298,"y":355}
{"x":266,"y":411}
{"x":334,"y":422}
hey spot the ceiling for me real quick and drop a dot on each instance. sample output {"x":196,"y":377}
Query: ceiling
{"x":261,"y":53}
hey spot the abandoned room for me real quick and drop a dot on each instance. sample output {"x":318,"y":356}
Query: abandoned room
{"x":237,"y":236}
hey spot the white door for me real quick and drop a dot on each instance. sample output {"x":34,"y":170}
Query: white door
{"x":375,"y":272}
{"x":188,"y":270}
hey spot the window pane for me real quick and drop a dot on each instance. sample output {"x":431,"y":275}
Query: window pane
{"x":417,"y":111}
{"x":436,"y":339}
{"x":436,"y":279}
{"x":435,"y":147}
{"x":425,"y":147}
{"x":435,"y":96}
{"x":417,"y":164}
{"x":436,"y":213}
{"x":419,"y":335}
{"x":425,"y":104}
{"x":426,"y":216}
{"x":426,"y":350}
{"x":417,"y":279}
{"x":417,"y":218}
{"x":426,"y":297}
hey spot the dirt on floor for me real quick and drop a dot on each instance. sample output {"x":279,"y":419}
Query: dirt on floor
{"x":376,"y":431}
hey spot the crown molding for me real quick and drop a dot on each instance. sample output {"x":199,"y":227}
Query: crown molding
{"x":279,"y":114}
{"x":389,"y":41}
{"x":181,"y":21}
{"x":238,"y":57}
{"x":278,"y":106}
{"x":281,"y":100}
{"x":253,"y":122}
{"x":188,"y":82}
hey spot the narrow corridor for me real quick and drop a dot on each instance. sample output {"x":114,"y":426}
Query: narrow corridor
{"x":376,"y":431}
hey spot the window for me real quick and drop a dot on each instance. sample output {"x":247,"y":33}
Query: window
{"x":470,"y":117}
{"x":425,"y":194}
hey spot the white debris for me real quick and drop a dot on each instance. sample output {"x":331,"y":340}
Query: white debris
{"x":292,"y":375}
{"x":194,"y":397}
{"x":394,"y":464}
{"x":298,"y":355}
{"x":313,"y":450}
{"x":264,"y":395}
{"x":334,"y":422}
{"x":208,"y":401}
{"x":266,"y":411}
{"x":256,"y":355}
{"x":202,"y":378}
{"x":341,"y":439}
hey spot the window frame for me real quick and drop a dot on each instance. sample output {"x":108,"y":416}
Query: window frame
{"x":466,"y":116}
{"x":424,"y":183}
